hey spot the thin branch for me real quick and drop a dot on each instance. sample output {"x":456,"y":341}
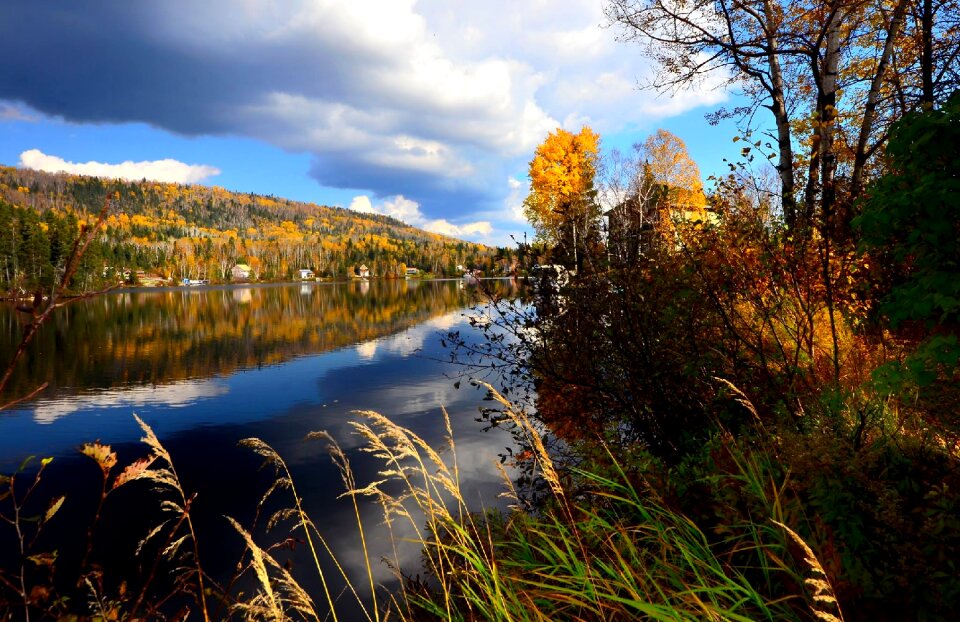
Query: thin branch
{"x":80,"y":245}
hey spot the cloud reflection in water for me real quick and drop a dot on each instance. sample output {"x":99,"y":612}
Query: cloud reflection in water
{"x":176,"y":395}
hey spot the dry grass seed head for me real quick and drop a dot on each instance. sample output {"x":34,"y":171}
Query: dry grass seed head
{"x":151,"y":535}
{"x":171,"y":506}
{"x":171,"y":550}
{"x":521,"y":420}
{"x":134,"y":470}
{"x":163,"y":478}
{"x":260,"y":570}
{"x":151,"y":440}
{"x":378,"y":447}
{"x":260,"y":448}
{"x":338,"y":456}
{"x":280,"y":516}
{"x":510,"y":491}
{"x":740,"y":397}
{"x":390,"y":438}
{"x":823,"y":593}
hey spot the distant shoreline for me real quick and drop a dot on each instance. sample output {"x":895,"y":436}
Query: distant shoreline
{"x":237,"y":285}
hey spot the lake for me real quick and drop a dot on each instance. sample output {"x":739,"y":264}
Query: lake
{"x":207,"y":367}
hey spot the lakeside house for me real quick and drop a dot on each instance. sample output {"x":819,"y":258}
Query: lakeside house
{"x":240,"y":272}
{"x":362,"y":271}
{"x":306,"y":274}
{"x":413,"y":271}
{"x":126,"y":275}
{"x":634,"y":225}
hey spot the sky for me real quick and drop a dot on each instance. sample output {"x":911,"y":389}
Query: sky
{"x":425,"y":110}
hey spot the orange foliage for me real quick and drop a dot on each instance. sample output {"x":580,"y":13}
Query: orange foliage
{"x":561,"y":171}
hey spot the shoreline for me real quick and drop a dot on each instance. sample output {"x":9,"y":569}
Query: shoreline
{"x":240,"y":284}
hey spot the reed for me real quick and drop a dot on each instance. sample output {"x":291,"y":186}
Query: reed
{"x":610,"y":551}
{"x":604,"y":545}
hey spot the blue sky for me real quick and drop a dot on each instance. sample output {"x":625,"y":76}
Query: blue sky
{"x":426,"y":110}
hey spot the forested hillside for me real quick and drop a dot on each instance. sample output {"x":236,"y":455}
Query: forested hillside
{"x":178,"y":231}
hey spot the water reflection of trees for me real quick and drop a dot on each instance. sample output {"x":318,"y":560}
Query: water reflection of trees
{"x":155,"y":337}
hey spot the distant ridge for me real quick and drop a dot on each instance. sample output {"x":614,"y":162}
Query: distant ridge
{"x":176,"y":231}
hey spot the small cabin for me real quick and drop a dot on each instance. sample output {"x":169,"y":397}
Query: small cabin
{"x":362,"y":271}
{"x":306,"y":274}
{"x":240,"y":272}
{"x":413,"y":271}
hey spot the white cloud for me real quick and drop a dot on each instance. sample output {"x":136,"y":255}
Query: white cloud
{"x":513,"y":203}
{"x":481,"y":228}
{"x":409,"y":341}
{"x":167,"y":170}
{"x":362,"y":204}
{"x":406,"y":88}
{"x":403,"y":209}
{"x":398,"y":207}
{"x":408,"y":211}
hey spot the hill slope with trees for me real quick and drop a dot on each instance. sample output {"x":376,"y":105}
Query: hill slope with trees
{"x":178,"y":231}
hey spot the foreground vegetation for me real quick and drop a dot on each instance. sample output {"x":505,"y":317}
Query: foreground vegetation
{"x":614,"y":551}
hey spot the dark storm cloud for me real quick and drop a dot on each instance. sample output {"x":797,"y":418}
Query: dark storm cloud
{"x":102,"y":62}
{"x":425,"y":188}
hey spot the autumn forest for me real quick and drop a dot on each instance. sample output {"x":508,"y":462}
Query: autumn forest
{"x":169,"y":232}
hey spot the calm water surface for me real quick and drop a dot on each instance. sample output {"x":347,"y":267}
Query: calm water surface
{"x":206,"y":367}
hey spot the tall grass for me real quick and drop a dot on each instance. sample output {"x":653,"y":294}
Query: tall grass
{"x":606,"y":549}
{"x":603,"y":544}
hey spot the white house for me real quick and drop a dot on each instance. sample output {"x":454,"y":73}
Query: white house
{"x":240,"y":272}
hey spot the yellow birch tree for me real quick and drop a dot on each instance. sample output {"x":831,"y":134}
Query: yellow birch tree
{"x":562,"y":205}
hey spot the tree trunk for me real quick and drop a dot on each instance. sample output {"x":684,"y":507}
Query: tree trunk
{"x":873,"y":96}
{"x":779,"y":108}
{"x":828,"y":127}
{"x":926,"y":60}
